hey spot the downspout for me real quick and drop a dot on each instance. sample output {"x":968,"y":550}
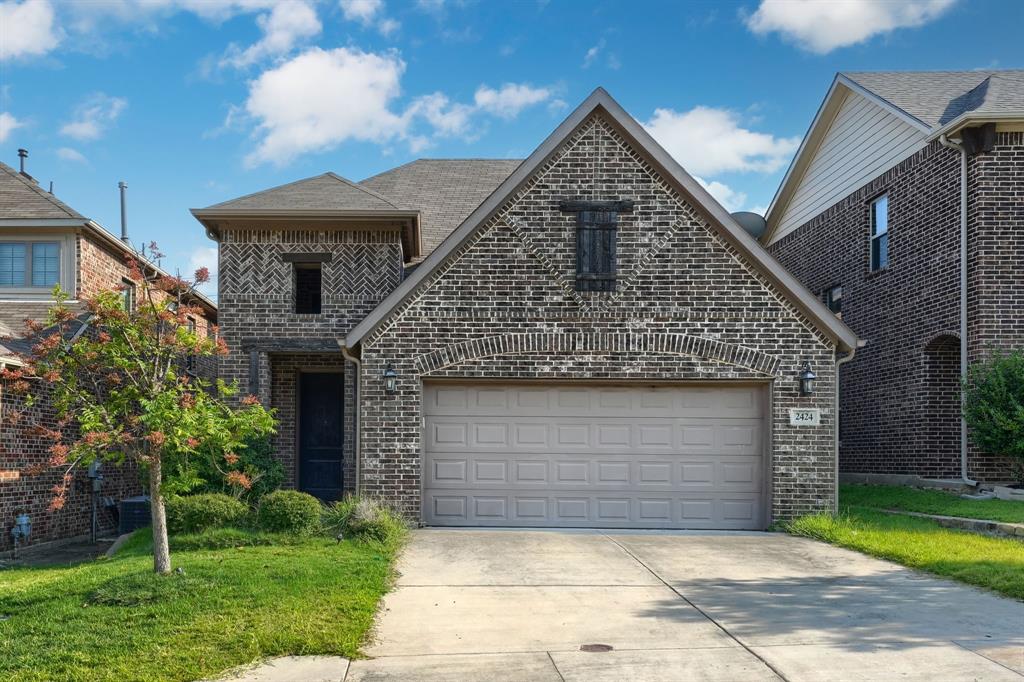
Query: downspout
{"x":946,"y":142}
{"x":347,"y":354}
{"x":839,"y":363}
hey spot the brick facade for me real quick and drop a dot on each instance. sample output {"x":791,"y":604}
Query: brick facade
{"x":257,"y":312}
{"x":688,"y":308}
{"x":899,"y":396}
{"x":99,"y":267}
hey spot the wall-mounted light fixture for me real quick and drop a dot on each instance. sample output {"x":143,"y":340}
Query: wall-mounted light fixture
{"x":807,"y":377}
{"x":390,"y":379}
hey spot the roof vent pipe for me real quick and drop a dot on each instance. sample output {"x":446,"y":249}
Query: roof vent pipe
{"x":123,"y":186}
{"x":22,"y":155}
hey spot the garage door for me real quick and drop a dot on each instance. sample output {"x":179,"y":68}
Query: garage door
{"x":594,"y":456}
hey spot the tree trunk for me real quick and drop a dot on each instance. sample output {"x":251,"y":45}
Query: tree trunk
{"x":161,"y":550}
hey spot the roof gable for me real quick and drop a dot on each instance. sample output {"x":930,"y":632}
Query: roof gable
{"x":21,"y":198}
{"x":326,"y":192}
{"x":633,"y":132}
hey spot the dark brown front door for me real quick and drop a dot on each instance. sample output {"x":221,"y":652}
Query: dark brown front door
{"x":320,"y":434}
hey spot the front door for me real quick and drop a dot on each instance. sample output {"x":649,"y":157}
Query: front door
{"x":320,"y":434}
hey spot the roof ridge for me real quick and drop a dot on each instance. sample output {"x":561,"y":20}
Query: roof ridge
{"x":72,"y":213}
{"x":264,"y":191}
{"x":367,"y":190}
{"x":446,"y":158}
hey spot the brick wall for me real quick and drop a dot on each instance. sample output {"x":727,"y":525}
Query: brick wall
{"x":899,"y":412}
{"x":995,"y":251}
{"x":257,"y":306}
{"x":687,"y":308}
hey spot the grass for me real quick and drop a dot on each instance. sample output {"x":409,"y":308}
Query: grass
{"x":993,"y":563}
{"x":930,"y":502}
{"x":243,"y":596}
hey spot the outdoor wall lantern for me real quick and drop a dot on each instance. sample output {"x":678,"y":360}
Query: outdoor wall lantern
{"x":390,"y":379}
{"x":807,"y":378}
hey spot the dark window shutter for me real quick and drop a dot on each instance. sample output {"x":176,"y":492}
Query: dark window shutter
{"x":596,"y":233}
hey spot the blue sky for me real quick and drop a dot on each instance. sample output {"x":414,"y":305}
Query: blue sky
{"x":192,"y":102}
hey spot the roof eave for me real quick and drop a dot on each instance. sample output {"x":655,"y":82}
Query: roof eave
{"x":823,"y":319}
{"x":968,"y":117}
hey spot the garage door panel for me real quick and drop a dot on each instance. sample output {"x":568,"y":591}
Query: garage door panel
{"x":594,"y":456}
{"x":583,"y":510}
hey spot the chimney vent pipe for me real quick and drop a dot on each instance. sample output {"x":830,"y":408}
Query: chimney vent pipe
{"x":123,"y":186}
{"x":22,"y":155}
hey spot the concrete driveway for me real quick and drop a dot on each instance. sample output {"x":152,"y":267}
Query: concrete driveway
{"x":524,"y":605}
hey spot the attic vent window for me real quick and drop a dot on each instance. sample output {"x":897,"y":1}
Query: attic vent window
{"x":597,"y":225}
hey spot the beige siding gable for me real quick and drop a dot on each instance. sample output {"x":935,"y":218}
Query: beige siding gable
{"x":863,"y":141}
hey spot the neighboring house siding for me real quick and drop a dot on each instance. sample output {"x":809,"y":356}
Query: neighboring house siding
{"x":996,"y":253}
{"x":863,"y":141}
{"x":503,"y":307}
{"x":896,"y":413}
{"x":257,"y":307}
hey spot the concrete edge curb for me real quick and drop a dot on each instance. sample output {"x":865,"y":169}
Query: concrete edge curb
{"x":1011,"y":530}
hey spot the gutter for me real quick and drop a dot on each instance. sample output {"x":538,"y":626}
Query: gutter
{"x":347,"y":354}
{"x":946,"y":142}
{"x":839,"y":363}
{"x":973,"y":117}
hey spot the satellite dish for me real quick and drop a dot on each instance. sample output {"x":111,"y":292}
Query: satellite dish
{"x":754,"y":224}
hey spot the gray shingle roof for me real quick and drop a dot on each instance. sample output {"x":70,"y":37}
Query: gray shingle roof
{"x":22,"y":198}
{"x":444,"y":191}
{"x":937,"y":97}
{"x":322,"y":193}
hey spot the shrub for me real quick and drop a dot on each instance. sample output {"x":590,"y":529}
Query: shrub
{"x":210,"y":471}
{"x":994,"y":407}
{"x":196,"y":513}
{"x":289,"y":511}
{"x":366,"y":519}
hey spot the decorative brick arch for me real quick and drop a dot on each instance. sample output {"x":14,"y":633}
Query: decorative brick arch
{"x":582,"y":342}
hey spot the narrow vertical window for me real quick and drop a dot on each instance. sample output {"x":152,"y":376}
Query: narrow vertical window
{"x":12,"y":265}
{"x":834,"y":300}
{"x":45,"y":264}
{"x":880,"y":232}
{"x":129,"y":294}
{"x":308,"y":288}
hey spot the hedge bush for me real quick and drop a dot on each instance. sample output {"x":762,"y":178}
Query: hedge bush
{"x":994,"y":407}
{"x":289,"y":511}
{"x":196,"y":513}
{"x":365,"y":518}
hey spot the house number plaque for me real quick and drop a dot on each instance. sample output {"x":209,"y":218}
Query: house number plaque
{"x":804,"y":416}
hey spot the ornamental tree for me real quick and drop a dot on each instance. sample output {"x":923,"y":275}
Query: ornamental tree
{"x":994,"y":407}
{"x":118,"y":377}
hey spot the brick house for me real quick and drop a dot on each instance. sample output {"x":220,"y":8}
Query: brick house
{"x":903,"y":211}
{"x":583,"y":338}
{"x":43,"y":242}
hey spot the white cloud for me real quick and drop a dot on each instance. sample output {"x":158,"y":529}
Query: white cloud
{"x":69,"y":154}
{"x":321,"y":98}
{"x":510,"y":99}
{"x":283,"y":28}
{"x":708,"y":141}
{"x":8,"y":124}
{"x":732,"y":200}
{"x":93,"y":116}
{"x":821,"y":26}
{"x":27,"y":29}
{"x":369,"y":13}
{"x":593,"y":53}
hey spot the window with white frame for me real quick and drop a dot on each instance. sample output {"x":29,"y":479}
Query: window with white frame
{"x":880,"y":232}
{"x":29,"y":264}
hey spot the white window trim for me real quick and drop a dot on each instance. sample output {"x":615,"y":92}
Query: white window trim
{"x":66,"y":278}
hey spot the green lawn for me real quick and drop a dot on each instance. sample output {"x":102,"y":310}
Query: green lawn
{"x":990,"y":562}
{"x":930,"y":502}
{"x":114,"y":620}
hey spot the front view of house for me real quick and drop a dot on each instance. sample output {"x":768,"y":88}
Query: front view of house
{"x":584,"y":338}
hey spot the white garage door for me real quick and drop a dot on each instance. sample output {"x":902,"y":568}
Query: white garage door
{"x":580,"y":455}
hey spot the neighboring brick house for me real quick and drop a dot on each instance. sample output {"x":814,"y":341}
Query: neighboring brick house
{"x":587,"y":339}
{"x":44,"y":242}
{"x":869,"y":217}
